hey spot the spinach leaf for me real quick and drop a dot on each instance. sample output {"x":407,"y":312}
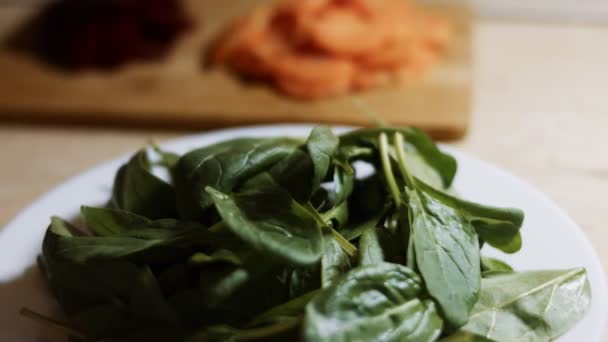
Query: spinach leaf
{"x":334,"y":263}
{"x":269,"y":253}
{"x":322,"y":145}
{"x":167,"y":159}
{"x":373,"y":303}
{"x":138,"y":190}
{"x":108,"y":222}
{"x":344,"y":173}
{"x":497,"y":226}
{"x":531,"y":306}
{"x":344,"y":182}
{"x":160,"y":241}
{"x":272,"y":222}
{"x":114,"y":322}
{"x":492,"y":266}
{"x":337,"y":216}
{"x":447,"y":254}
{"x":378,"y":244}
{"x":370,"y":249}
{"x":308,"y":164}
{"x":148,"y":304}
{"x":426,"y":160}
{"x":443,"y":243}
{"x":220,"y":282}
{"x":79,"y":287}
{"x":223,"y":166}
{"x":220,"y":273}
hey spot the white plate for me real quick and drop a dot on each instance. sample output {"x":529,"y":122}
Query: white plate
{"x":551,"y":239}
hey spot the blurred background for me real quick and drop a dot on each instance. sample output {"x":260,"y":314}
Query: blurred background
{"x":518,"y":83}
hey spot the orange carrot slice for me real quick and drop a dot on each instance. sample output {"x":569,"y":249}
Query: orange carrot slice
{"x":344,"y":32}
{"x":311,"y":77}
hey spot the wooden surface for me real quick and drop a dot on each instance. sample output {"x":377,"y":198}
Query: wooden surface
{"x":180,"y":92}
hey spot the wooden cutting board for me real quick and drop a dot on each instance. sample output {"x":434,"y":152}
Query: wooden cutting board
{"x":180,"y":92}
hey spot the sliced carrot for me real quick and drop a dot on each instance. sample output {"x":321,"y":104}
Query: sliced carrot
{"x":247,"y":31}
{"x":393,"y":55}
{"x":344,"y":32}
{"x":314,"y":49}
{"x":312,"y":77}
{"x":313,"y":68}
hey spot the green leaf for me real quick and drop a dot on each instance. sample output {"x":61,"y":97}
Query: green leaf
{"x":139,"y":191}
{"x":81,"y":286}
{"x":108,"y":222}
{"x":163,"y":241}
{"x":493,"y":266}
{"x":344,"y":182}
{"x":497,"y":226}
{"x":531,"y":306}
{"x":78,"y":287}
{"x":370,"y":249}
{"x":447,"y":254}
{"x":443,"y":245}
{"x":427,"y":161}
{"x":148,"y":304}
{"x":373,"y":303}
{"x":272,"y":222}
{"x":167,"y":159}
{"x":337,"y":216}
{"x":224,"y":166}
{"x":334,"y":263}
{"x":309,"y":164}
{"x":322,"y":145}
{"x":219,"y":283}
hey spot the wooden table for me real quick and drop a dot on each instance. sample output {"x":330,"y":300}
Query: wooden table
{"x":540,"y":111}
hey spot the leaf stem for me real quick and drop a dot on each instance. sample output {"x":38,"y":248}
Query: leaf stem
{"x":348,"y":247}
{"x":399,"y":142}
{"x":400,"y":147}
{"x":47,"y":321}
{"x":388,"y":171}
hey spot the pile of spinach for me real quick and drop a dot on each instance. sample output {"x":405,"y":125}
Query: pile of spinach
{"x":282,"y":239}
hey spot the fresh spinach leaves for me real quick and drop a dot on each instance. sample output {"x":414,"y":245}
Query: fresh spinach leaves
{"x":287,"y":239}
